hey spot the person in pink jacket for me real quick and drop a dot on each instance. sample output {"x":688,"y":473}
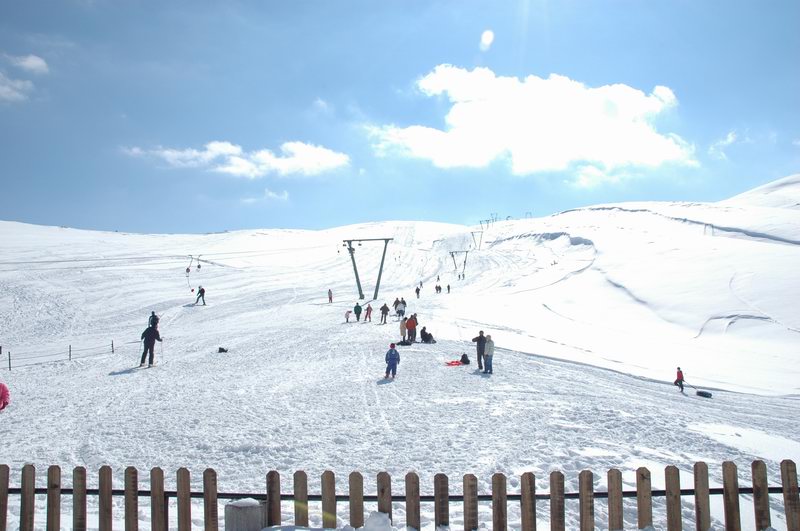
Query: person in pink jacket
{"x":5,"y":396}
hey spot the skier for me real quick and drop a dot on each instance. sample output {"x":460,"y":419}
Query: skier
{"x":411,"y":327}
{"x":395,"y":303}
{"x":401,"y":308}
{"x":417,"y":290}
{"x":448,"y":288}
{"x":201,"y":294}
{"x":679,"y":379}
{"x":384,"y":313}
{"x":368,"y":313}
{"x":347,"y":315}
{"x":403,"y":328}
{"x":481,"y":347}
{"x":330,"y":296}
{"x":150,"y":336}
{"x":488,"y":355}
{"x":153,"y":321}
{"x":5,"y":396}
{"x":357,"y":311}
{"x":392,"y":361}
{"x":426,"y":336}
{"x":437,"y":278}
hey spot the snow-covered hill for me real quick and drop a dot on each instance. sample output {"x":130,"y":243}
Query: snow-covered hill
{"x":591,"y":311}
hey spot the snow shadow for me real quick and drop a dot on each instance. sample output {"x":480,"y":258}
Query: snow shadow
{"x":121,"y":372}
{"x":384,"y":381}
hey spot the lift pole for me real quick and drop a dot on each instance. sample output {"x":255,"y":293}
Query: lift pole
{"x":349,"y":245}
{"x":355,"y":269}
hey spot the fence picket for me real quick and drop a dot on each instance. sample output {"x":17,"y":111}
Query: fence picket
{"x":557,"y":520}
{"x":499,"y":503}
{"x":184,"y":500}
{"x":105,"y":498}
{"x":210,"y":508}
{"x":702,"y":507}
{"x":730,"y":496}
{"x":441,"y":503}
{"x":28,"y":501}
{"x":273,"y":498}
{"x":131,"y":499}
{"x":53,"y":498}
{"x":528,"y":501}
{"x":615,"y":522}
{"x":5,"y":472}
{"x":586,"y":498}
{"x":328,"y":500}
{"x":760,"y":495}
{"x":791,"y":500}
{"x":673,"y":484}
{"x":158,"y":505}
{"x":356,"y":488}
{"x":79,"y":499}
{"x":412,"y":500}
{"x":385,"y":494}
{"x":301,"y":499}
{"x":470,"y":502}
{"x":644,"y":501}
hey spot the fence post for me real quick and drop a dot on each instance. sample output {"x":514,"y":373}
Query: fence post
{"x":210,"y":508}
{"x":702,"y":508}
{"x":158,"y":508}
{"x":730,"y":495}
{"x":556,"y":501}
{"x":615,"y":500}
{"x":385,"y":494}
{"x":184,"y":500}
{"x":586,"y":499}
{"x":355,"y":484}
{"x":4,"y":474}
{"x":644,"y":500}
{"x":273,"y":498}
{"x":28,"y":498}
{"x":673,"y":483}
{"x":70,"y":353}
{"x":105,"y":498}
{"x":9,"y":360}
{"x":131,"y":499}
{"x":412,"y":500}
{"x":112,"y":346}
{"x":470,"y":502}
{"x":79,"y":498}
{"x":441,"y":500}
{"x":791,"y":501}
{"x":499,"y":502}
{"x":328,"y":500}
{"x":300,"y":480}
{"x":761,"y":495}
{"x":53,"y":498}
{"x":528,"y":502}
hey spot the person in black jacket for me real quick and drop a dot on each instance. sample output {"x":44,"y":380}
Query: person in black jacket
{"x":201,"y":294}
{"x":153,"y":321}
{"x":150,"y":336}
{"x":481,"y":346}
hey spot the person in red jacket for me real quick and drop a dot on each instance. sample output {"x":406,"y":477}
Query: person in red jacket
{"x":679,"y":379}
{"x":411,"y":326}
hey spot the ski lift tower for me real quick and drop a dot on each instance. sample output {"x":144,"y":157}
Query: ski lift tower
{"x":453,"y":255}
{"x":349,"y":245}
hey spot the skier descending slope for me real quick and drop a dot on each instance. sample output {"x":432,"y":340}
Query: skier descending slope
{"x":392,"y":361}
{"x":150,"y":336}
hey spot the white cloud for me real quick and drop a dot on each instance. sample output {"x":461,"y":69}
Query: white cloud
{"x":796,"y":142}
{"x":322,"y":106}
{"x":30,"y":63}
{"x":717,"y":149}
{"x":538,"y":125}
{"x":269,"y":195}
{"x":487,"y":38}
{"x":296,"y":158}
{"x":14,"y":89}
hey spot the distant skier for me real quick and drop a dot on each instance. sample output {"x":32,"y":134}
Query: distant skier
{"x":357,"y":311}
{"x":448,"y":288}
{"x":149,"y":336}
{"x":347,"y":315}
{"x":330,"y":296}
{"x":368,"y":313}
{"x":5,"y":396}
{"x":488,"y":355}
{"x":437,"y":278}
{"x":392,"y":361}
{"x":417,"y":290}
{"x":384,"y":313}
{"x":403,"y":329}
{"x":481,"y":347}
{"x":679,"y":379}
{"x":153,"y":321}
{"x":201,"y":294}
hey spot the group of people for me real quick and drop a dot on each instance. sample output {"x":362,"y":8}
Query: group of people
{"x":438,"y":288}
{"x":357,"y":309}
{"x":485,"y":348}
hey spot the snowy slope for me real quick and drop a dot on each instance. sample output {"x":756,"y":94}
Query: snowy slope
{"x":591,"y":310}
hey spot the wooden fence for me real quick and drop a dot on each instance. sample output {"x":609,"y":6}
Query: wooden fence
{"x":441,"y":499}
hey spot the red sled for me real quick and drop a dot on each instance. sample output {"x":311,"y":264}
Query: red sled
{"x":454,"y":363}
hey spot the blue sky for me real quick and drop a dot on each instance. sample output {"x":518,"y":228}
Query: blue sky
{"x":207,"y":116}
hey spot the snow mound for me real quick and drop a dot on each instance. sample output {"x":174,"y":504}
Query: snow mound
{"x":783,"y":193}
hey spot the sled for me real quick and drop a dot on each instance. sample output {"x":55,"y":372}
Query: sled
{"x":704,"y":394}
{"x":454,"y":363}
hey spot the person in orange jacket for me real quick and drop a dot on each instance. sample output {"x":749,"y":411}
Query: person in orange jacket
{"x":679,"y":379}
{"x":411,"y":327}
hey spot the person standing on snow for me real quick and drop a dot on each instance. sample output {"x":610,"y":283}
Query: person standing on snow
{"x":201,"y":294}
{"x":448,"y":288}
{"x":417,"y":290}
{"x":392,"y":361}
{"x":5,"y":396}
{"x":411,"y":327}
{"x":357,"y":311}
{"x":384,"y":313}
{"x":150,"y":336}
{"x":347,"y":315}
{"x":153,"y":321}
{"x":330,"y":296}
{"x":401,"y":308}
{"x":488,"y":355}
{"x":481,"y":347}
{"x":403,"y":328}
{"x":395,"y":303}
{"x":679,"y":379}
{"x":368,"y":313}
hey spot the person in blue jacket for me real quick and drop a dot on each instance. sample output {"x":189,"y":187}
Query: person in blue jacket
{"x":392,"y":361}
